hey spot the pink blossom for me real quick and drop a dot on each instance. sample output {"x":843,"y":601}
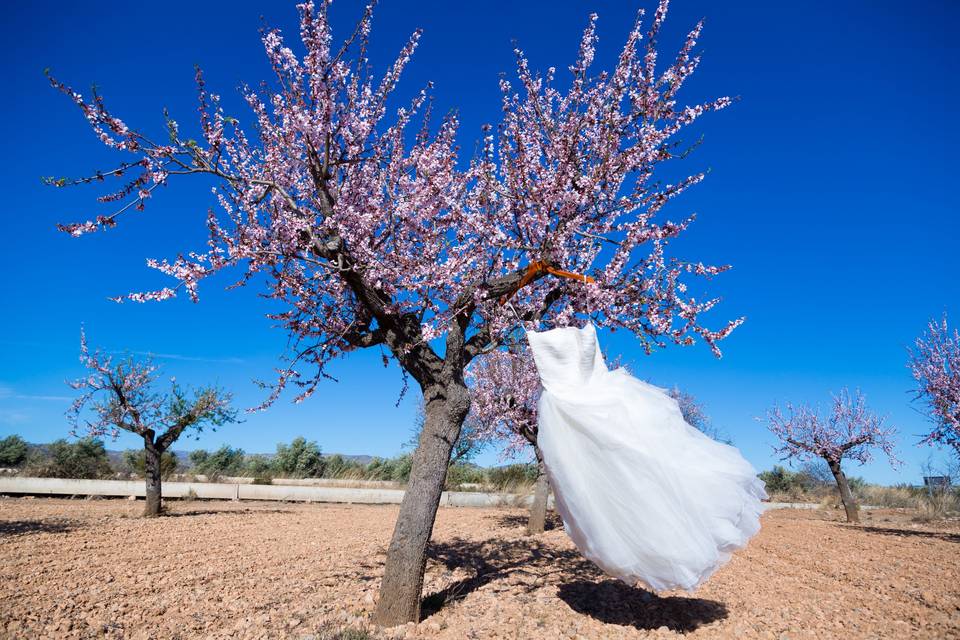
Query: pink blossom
{"x":119,"y":396}
{"x":935,"y":364}
{"x":505,"y":388}
{"x":373,"y":231}
{"x":850,"y":431}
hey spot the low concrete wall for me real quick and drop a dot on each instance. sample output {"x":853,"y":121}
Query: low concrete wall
{"x":337,"y":482}
{"x":477,"y":499}
{"x":223,"y":491}
{"x":188,"y":478}
{"x":320,"y":494}
{"x":292,"y":482}
{"x":123,"y":488}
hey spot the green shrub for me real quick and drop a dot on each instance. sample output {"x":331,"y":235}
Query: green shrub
{"x":512,"y":475}
{"x":258,"y":466}
{"x":336,"y":466}
{"x":778,"y":479}
{"x":84,"y":459}
{"x":224,"y":461}
{"x":856,"y":483}
{"x":461,"y":473}
{"x":396,"y":469}
{"x":299,"y":459}
{"x":13,"y":451}
{"x":198,"y":458}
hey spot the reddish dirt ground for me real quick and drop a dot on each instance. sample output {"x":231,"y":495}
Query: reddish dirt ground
{"x":93,"y":569}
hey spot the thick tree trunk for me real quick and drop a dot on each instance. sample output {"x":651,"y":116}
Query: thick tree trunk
{"x":538,"y":510}
{"x":445,"y":409}
{"x":846,"y":496}
{"x":151,"y":472}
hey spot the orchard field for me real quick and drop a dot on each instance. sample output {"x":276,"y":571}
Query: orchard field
{"x":95,"y":569}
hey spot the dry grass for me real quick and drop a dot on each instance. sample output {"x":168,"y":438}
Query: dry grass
{"x":938,"y":505}
{"x":891,"y":497}
{"x":930,"y":506}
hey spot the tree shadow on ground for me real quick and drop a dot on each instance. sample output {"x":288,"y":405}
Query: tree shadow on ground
{"x":613,"y":602}
{"x":490,"y":560}
{"x":217,"y":512}
{"x":529,"y":563}
{"x":509,"y":521}
{"x":25,"y":527}
{"x":946,"y":536}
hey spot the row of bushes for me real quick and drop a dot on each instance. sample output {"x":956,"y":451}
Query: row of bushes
{"x":84,"y":459}
{"x":299,"y":459}
{"x":88,"y":458}
{"x":813,"y":482}
{"x":303,"y":459}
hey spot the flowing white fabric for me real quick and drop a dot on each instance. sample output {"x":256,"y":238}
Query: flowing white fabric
{"x":642,"y":494}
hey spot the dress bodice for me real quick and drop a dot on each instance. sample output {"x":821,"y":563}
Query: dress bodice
{"x":566,"y":357}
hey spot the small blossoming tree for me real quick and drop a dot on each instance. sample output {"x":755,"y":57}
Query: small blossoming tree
{"x":117,"y":396}
{"x":372,"y":232}
{"x":695,"y":415}
{"x":935,"y":364}
{"x":849,"y":432}
{"x":505,"y":388}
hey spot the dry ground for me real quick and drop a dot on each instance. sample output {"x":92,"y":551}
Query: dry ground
{"x":91,"y":568}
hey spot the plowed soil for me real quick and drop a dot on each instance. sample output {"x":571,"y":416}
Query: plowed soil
{"x":94,"y":569}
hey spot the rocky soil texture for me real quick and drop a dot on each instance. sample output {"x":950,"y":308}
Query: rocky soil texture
{"x":94,"y":569}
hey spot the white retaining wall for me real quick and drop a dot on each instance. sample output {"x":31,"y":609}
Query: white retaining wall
{"x":223,"y":491}
{"x":63,"y":487}
{"x":295,"y":482}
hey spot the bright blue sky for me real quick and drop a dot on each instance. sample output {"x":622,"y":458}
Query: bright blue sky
{"x":831,"y":193}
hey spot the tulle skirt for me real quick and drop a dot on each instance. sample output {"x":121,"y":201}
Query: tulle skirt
{"x":642,"y":494}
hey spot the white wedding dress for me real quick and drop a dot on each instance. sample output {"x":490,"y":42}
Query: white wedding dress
{"x":642,"y":494}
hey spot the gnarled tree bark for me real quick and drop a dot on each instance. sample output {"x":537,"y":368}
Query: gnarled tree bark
{"x":538,"y":510}
{"x":846,"y":496}
{"x":151,"y":473}
{"x":445,"y":408}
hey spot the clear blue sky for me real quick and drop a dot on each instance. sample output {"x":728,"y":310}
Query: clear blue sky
{"x":831,"y":193}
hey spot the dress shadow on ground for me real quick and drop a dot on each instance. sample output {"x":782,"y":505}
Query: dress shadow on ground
{"x":613,"y":602}
{"x":531,"y":564}
{"x":26,"y":527}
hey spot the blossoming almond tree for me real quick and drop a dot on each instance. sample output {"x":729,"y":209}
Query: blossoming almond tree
{"x":505,"y":389}
{"x":373,"y":233}
{"x":695,"y":415}
{"x":117,"y":396}
{"x":849,"y":432}
{"x":935,"y":364}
